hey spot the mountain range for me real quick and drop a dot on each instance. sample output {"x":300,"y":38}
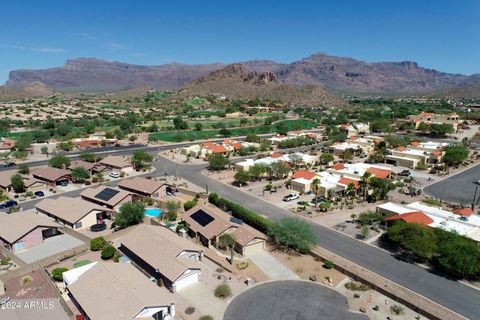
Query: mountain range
{"x":337,"y":74}
{"x":237,"y":81}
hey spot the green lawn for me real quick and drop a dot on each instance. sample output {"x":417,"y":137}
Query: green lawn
{"x":81,"y":263}
{"x":192,"y":135}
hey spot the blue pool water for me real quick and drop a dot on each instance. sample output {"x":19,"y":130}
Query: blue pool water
{"x":153,"y":212}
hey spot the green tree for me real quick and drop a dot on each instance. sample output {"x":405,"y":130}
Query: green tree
{"x":24,"y":142}
{"x":241,"y":177}
{"x":23,"y":169}
{"x":180,"y":124}
{"x":130,"y":214}
{"x":226,"y":241}
{"x":17,"y":183}
{"x":460,"y":256}
{"x":455,"y":155}
{"x":198,"y":126}
{"x":217,"y":161}
{"x":279,"y":169}
{"x":141,"y":159}
{"x":57,"y":274}
{"x":418,"y":240}
{"x":80,"y":174}
{"x":108,"y":252}
{"x":326,"y":158}
{"x":44,"y":150}
{"x":98,"y":243}
{"x":87,"y":156}
{"x":257,"y":171}
{"x":59,"y":161}
{"x":293,"y":233}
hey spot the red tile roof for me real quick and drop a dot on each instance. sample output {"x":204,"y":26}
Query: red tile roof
{"x":402,"y":148}
{"x":237,"y":145}
{"x":437,"y":153}
{"x":218,"y":149}
{"x":338,"y":166}
{"x":276,"y":155}
{"x":347,"y":181}
{"x":412,"y":217}
{"x":463,"y":211}
{"x":305,"y":174}
{"x":353,"y":138}
{"x":379,"y":173}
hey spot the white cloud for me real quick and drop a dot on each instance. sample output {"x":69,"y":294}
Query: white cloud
{"x":36,"y":49}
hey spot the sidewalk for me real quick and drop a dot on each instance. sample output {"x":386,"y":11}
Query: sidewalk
{"x":273,"y":268}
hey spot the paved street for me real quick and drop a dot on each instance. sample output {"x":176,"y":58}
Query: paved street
{"x":459,"y":188}
{"x":290,"y":300}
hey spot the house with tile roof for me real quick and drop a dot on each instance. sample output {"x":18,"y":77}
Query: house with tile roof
{"x":461,"y":220}
{"x":208,"y":224}
{"x":74,"y":213}
{"x":113,"y":291}
{"x":165,"y":256}
{"x":416,"y":153}
{"x":27,"y":229}
{"x":429,"y":118}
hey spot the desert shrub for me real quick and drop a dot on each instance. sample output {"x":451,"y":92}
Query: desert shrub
{"x":190,"y":310}
{"x":355,"y":286}
{"x":97,"y":244}
{"x":108,"y":252}
{"x":222,"y":291}
{"x":57,"y":274}
{"x":328,"y":264}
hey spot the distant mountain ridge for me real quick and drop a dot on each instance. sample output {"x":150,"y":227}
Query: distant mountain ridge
{"x":339,"y":74}
{"x":236,"y":81}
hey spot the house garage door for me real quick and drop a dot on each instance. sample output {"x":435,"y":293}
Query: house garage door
{"x":255,"y":247}
{"x":185,"y":282}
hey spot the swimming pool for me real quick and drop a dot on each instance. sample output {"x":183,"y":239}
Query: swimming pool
{"x":153,"y":212}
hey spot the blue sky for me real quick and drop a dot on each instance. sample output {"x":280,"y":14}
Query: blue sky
{"x":437,"y":34}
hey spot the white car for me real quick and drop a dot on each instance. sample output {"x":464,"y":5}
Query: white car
{"x":114,"y":174}
{"x":291,"y":197}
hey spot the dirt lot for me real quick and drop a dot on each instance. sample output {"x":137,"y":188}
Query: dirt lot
{"x":306,"y":266}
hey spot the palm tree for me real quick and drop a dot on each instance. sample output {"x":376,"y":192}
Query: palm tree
{"x":315,"y":186}
{"x":350,"y":190}
{"x":364,"y":184}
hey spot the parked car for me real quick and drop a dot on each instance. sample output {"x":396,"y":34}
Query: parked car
{"x":290,"y":197}
{"x":63,"y":183}
{"x":9,"y":164}
{"x":39,"y":193}
{"x":405,"y":173}
{"x":319,"y":199}
{"x":8,"y":204}
{"x":114,"y":174}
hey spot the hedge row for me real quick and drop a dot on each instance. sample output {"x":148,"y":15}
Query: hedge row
{"x":249,"y":217}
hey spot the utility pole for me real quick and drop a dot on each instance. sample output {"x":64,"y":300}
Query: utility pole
{"x":474,"y":198}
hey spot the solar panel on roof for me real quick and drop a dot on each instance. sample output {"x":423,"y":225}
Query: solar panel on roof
{"x":106,"y":194}
{"x":202,"y":218}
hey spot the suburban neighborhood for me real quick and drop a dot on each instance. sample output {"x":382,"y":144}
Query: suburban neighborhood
{"x":239,"y":161}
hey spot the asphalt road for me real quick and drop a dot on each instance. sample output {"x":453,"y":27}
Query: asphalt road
{"x":290,"y":300}
{"x":452,"y":294}
{"x":459,"y":188}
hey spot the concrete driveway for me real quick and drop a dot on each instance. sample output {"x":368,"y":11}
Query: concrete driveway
{"x":203,"y":300}
{"x":49,"y":247}
{"x":273,"y":268}
{"x":290,"y":300}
